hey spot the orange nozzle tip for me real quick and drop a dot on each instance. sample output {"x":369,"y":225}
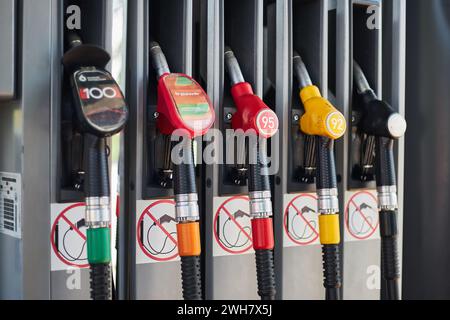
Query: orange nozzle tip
{"x":189,"y":244}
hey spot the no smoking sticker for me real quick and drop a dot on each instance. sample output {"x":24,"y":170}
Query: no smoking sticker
{"x":300,"y":220}
{"x":68,"y":237}
{"x":232,"y":226}
{"x":361,"y":216}
{"x":156,"y":232}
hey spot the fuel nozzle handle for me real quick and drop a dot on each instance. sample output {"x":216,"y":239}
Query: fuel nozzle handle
{"x":300,"y":72}
{"x":233,"y":68}
{"x":379,"y":118}
{"x":159,"y":60}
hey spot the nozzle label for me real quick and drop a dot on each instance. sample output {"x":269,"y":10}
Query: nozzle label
{"x":191,"y":101}
{"x":267,"y":123}
{"x":336,"y":124}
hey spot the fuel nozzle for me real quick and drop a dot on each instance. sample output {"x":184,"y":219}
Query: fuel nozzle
{"x":379,"y":118}
{"x":158,"y":59}
{"x":321,"y":118}
{"x":383,"y":125}
{"x":323,"y":123}
{"x":255,"y":117}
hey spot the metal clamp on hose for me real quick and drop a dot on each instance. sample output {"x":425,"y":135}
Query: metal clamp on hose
{"x":328,"y":202}
{"x":260,"y":204}
{"x":387,"y":198}
{"x":98,"y":212}
{"x":186,"y":207}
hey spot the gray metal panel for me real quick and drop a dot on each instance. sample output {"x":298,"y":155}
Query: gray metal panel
{"x":283,"y":83}
{"x":8,"y":50}
{"x":210,"y":28}
{"x":36,"y":104}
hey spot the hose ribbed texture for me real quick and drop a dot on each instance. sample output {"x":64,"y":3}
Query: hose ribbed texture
{"x":265,"y":274}
{"x":184,"y":173}
{"x":385,"y":168}
{"x":258,"y":176}
{"x":97,"y":178}
{"x":332,"y":271}
{"x":326,"y":165}
{"x":391,"y":270}
{"x":101,"y":281}
{"x":389,"y":253}
{"x":191,"y":277}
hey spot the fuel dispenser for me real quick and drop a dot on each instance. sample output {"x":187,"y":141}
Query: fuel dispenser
{"x":255,"y":117}
{"x":324,"y":122}
{"x":380,"y":121}
{"x":161,"y":216}
{"x":100,"y":112}
{"x":183,"y":110}
{"x":48,"y":121}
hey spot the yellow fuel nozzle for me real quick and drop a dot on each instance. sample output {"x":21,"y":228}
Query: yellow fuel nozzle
{"x":321,"y":118}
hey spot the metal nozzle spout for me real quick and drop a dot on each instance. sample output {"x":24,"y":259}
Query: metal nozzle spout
{"x":158,"y":58}
{"x":73,"y":39}
{"x":232,"y":67}
{"x":362,"y":85}
{"x":300,"y":72}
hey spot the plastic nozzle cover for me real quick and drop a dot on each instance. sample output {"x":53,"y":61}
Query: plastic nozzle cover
{"x":233,"y":68}
{"x":159,"y":60}
{"x":362,"y":85}
{"x":300,"y":72}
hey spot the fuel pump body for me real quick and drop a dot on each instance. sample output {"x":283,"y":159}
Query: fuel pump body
{"x":144,"y":273}
{"x":33,"y":150}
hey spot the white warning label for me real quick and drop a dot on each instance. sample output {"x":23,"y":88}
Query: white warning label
{"x":156,"y":232}
{"x":300,"y":220}
{"x":361,"y":216}
{"x":68,"y":237}
{"x":10,"y":204}
{"x":232,"y":226}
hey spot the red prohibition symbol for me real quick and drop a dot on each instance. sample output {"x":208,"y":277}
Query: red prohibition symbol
{"x":64,"y":217}
{"x":241,"y":243}
{"x":309,"y":234}
{"x":369,"y":223}
{"x":170,"y":241}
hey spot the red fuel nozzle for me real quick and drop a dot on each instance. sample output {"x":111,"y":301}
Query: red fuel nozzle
{"x":182,"y":102}
{"x":253,"y":114}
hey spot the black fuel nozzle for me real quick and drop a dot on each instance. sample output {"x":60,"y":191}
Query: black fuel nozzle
{"x":379,"y":118}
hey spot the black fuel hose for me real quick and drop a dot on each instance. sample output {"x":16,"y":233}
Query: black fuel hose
{"x":326,"y":179}
{"x":385,"y":175}
{"x":184,"y":184}
{"x":97,"y":186}
{"x":258,"y":181}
